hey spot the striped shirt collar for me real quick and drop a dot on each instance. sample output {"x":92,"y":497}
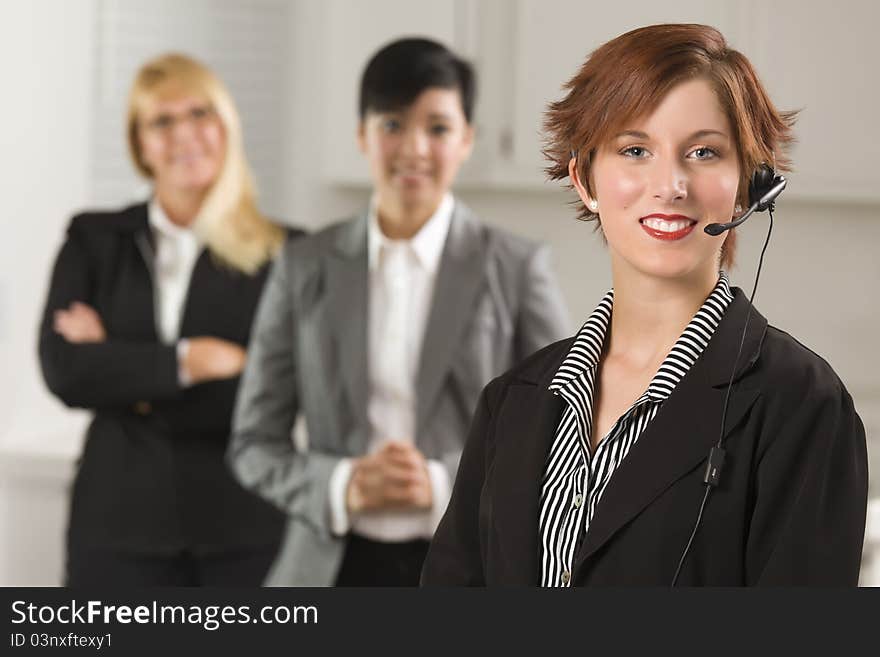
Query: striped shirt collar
{"x":587,"y":347}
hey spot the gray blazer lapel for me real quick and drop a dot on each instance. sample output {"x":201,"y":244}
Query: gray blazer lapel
{"x":459,"y":281}
{"x":347,"y":290}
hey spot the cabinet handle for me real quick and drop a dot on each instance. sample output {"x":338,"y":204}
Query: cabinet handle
{"x":505,"y":143}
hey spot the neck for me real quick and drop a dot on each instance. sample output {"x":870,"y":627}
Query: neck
{"x":180,"y":206}
{"x":663,"y":306}
{"x":402,"y":222}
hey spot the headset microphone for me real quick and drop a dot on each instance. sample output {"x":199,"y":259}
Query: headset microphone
{"x":764,"y":187}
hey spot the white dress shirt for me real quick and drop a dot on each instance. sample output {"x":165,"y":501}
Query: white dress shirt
{"x":177,"y":250}
{"x":401,"y":287}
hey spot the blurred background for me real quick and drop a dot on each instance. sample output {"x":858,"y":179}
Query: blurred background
{"x":293,"y":68}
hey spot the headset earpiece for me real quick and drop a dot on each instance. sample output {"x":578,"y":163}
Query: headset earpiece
{"x":763,"y":180}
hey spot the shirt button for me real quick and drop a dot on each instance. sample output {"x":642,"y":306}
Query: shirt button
{"x":566,"y":578}
{"x":143,"y":408}
{"x":578,"y":500}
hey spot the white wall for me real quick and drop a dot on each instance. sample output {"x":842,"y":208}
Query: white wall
{"x":44,"y":138}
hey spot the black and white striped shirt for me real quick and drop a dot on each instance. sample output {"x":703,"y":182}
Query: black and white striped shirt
{"x":574,"y":478}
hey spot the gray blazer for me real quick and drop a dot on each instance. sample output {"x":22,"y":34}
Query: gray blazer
{"x":495,"y":302}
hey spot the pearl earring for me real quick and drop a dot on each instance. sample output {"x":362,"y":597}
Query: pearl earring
{"x":594,"y":205}
{"x":738,"y":208}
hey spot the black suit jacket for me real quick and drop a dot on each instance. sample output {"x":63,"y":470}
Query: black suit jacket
{"x":789,"y":510}
{"x":152,"y":477}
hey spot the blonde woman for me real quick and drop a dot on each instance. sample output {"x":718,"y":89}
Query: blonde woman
{"x":148,"y":312}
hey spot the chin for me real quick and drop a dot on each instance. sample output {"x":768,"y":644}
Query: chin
{"x":196,"y":180}
{"x":671,"y":268}
{"x":417,"y":195}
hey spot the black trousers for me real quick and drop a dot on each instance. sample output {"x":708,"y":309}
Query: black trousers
{"x":373,"y":563}
{"x":114,"y":569}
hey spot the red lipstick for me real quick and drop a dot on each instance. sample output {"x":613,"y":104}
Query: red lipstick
{"x":667,"y":227}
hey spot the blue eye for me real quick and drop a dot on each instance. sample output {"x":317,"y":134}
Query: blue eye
{"x":703,"y":153}
{"x":636,"y":152}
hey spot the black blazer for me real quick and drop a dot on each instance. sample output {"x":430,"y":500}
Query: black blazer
{"x":152,"y":476}
{"x":789,"y":510}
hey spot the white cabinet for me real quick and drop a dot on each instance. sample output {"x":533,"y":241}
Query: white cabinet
{"x":552,"y":38}
{"x":822,"y":58}
{"x":816,"y":58}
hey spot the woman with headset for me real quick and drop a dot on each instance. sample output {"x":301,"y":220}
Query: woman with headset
{"x":592,"y":462}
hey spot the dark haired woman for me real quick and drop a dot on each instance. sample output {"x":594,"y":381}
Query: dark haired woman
{"x":585,"y":464}
{"x":382,"y":330}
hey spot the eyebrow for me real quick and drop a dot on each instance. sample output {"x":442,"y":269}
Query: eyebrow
{"x":637,"y":134}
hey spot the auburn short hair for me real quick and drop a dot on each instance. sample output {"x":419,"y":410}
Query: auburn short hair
{"x":626,"y":79}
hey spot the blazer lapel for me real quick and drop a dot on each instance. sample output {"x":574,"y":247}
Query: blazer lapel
{"x":144,"y":297}
{"x":346,"y":293}
{"x":205,"y":275}
{"x":459,"y":281}
{"x":530,"y":418}
{"x":687,"y":426}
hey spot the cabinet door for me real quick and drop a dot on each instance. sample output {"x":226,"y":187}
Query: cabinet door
{"x":552,"y":38}
{"x":353,"y":32}
{"x":822,"y":58}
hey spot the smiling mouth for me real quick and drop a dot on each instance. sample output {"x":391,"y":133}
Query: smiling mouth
{"x":188,"y":157}
{"x":410,"y":173}
{"x":667,"y":227}
{"x":413,"y":180}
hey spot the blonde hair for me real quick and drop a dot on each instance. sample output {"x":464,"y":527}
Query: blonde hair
{"x":228,"y":221}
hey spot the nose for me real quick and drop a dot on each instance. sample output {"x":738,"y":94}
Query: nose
{"x":415,"y":143}
{"x":670,"y":182}
{"x":183,"y":128}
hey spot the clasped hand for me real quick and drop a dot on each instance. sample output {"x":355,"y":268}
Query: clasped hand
{"x":395,"y":477}
{"x":79,"y":323}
